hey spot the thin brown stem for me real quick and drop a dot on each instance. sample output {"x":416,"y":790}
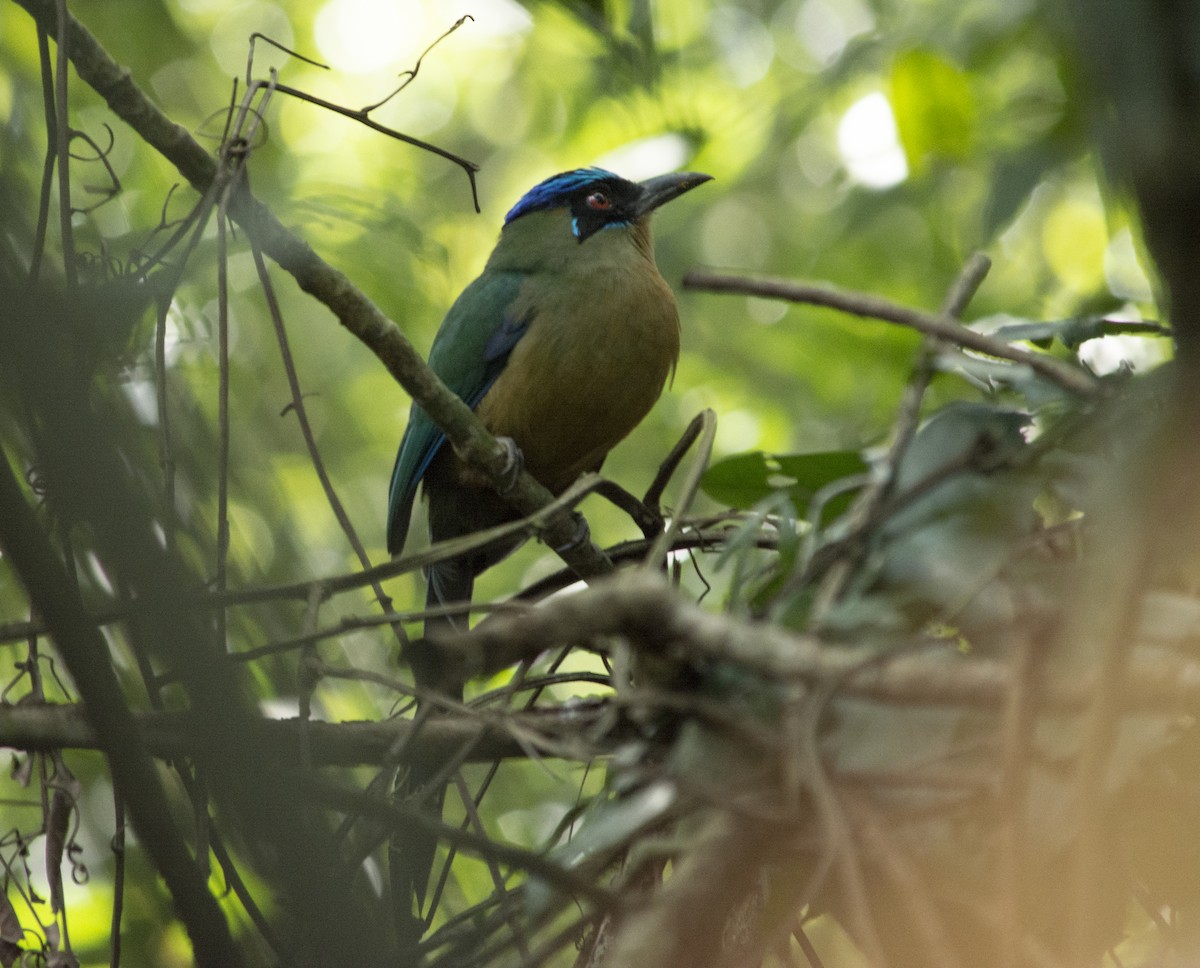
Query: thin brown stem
{"x":298,"y":407}
{"x":222,"y":559}
{"x":1070,"y":378}
{"x":47,"y":73}
{"x":62,"y":150}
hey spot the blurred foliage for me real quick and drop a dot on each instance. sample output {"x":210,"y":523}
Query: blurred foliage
{"x":744,"y":480}
{"x":875,"y":143}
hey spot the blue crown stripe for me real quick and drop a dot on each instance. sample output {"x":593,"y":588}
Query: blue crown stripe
{"x":555,"y":190}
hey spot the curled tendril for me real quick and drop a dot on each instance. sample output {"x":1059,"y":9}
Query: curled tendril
{"x":113,"y":188}
{"x":140,"y":261}
{"x":207,"y":128}
{"x":79,"y":870}
{"x":99,"y":152}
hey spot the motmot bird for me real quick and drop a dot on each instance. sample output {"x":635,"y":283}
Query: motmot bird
{"x":561,"y":346}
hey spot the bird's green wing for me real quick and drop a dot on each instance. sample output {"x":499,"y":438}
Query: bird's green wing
{"x":468,"y":353}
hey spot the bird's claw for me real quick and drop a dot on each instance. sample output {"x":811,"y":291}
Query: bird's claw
{"x":582,"y":535}
{"x":514,"y":463}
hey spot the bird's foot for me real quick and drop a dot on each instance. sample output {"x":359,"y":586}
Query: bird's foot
{"x":582,"y":535}
{"x":514,"y":463}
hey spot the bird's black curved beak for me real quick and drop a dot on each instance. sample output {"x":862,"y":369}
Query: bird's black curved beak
{"x":661,"y":189}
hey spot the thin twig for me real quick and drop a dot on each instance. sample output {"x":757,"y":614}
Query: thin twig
{"x":470,"y":805}
{"x":222,"y":552}
{"x":410,"y":75}
{"x":166,"y":456}
{"x":118,"y":889}
{"x":649,"y":522}
{"x":337,"y":584}
{"x":868,"y":507}
{"x":241,"y":890}
{"x":690,"y":488}
{"x":807,"y":947}
{"x":401,"y":817}
{"x":361,"y":117}
{"x":62,"y":137}
{"x":257,"y":36}
{"x":361,"y":114}
{"x":666,"y":469}
{"x":878,"y":500}
{"x":306,"y":431}
{"x":47,"y":73}
{"x":1070,"y":378}
{"x":904,"y":429}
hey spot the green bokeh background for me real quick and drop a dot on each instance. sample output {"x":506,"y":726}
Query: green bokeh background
{"x":874,"y":144}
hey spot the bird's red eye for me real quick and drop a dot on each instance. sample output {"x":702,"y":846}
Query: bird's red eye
{"x":599,"y":202}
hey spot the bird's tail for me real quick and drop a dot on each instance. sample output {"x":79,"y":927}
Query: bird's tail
{"x":450,"y":582}
{"x":413,"y":851}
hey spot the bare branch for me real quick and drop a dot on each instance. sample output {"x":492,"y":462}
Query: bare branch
{"x":1070,"y":378}
{"x":563,"y":734}
{"x":645,"y":610}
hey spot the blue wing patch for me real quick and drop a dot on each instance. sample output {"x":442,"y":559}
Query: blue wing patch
{"x":469,"y":352}
{"x":502,"y":340}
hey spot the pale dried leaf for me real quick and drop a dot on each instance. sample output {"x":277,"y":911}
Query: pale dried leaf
{"x":58,"y":823}
{"x":22,"y":769}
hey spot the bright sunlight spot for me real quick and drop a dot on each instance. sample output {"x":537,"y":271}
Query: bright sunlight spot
{"x":869,"y":143}
{"x":745,"y":44}
{"x":647,"y":157}
{"x":1074,"y":239}
{"x":1123,"y":269}
{"x":826,"y":28}
{"x":498,"y":18}
{"x":1111,"y":353}
{"x":359,"y":36}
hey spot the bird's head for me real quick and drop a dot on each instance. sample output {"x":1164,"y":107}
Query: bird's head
{"x":595,"y":199}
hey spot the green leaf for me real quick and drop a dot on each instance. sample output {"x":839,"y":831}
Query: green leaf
{"x":615,"y":821}
{"x":744,"y":480}
{"x":606,"y":825}
{"x":935,"y":110}
{"x":1014,"y":177}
